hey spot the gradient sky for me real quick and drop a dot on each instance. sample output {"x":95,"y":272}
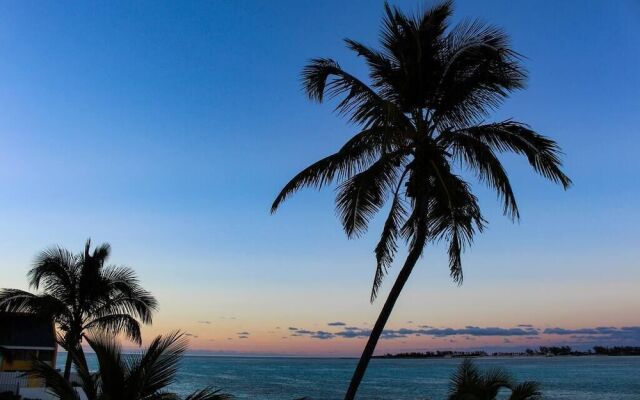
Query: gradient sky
{"x":167,"y":128}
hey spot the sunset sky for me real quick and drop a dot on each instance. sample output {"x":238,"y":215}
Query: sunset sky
{"x":167,"y":128}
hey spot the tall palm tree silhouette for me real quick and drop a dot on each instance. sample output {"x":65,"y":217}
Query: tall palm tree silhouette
{"x":81,"y":293}
{"x":421,"y":121}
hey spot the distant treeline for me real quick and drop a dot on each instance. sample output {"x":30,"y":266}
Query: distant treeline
{"x":617,"y":351}
{"x":436,"y":354}
{"x":541,"y":351}
{"x":597,"y":350}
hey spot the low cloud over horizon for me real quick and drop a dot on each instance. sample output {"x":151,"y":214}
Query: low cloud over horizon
{"x":629,"y":335}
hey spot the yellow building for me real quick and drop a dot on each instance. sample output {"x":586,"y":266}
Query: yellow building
{"x":23,"y":339}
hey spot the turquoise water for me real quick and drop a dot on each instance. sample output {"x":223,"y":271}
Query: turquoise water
{"x":581,"y":378}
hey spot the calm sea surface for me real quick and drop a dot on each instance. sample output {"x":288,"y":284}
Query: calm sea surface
{"x":581,"y":378}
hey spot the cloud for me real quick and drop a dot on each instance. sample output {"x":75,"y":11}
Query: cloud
{"x":598,"y":335}
{"x":322,"y":335}
{"x":601,"y":330}
{"x":204,"y":322}
{"x":350,"y":332}
{"x":336,"y":324}
{"x":243,"y":333}
{"x":243,"y":337}
{"x":191,"y":335}
{"x":604,"y":334}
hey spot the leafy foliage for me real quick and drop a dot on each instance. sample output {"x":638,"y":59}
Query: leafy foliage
{"x":82,"y":294}
{"x":421,"y":118}
{"x":143,"y":376}
{"x":469,"y":383}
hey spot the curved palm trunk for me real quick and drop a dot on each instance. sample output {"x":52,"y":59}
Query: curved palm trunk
{"x":410,"y":262}
{"x":74,"y":350}
{"x":67,"y":366}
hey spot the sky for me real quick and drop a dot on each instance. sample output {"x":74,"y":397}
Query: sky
{"x":167,"y":128}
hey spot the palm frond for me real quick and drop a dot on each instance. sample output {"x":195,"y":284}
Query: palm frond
{"x":387,"y":245}
{"x":209,"y":394}
{"x":495,"y":379}
{"x":324,"y":77}
{"x":126,"y":295}
{"x":544,"y":154}
{"x":454,"y":215}
{"x":101,"y":252}
{"x":479,"y":157}
{"x":356,"y":155}
{"x":136,"y":307}
{"x":466,"y":382}
{"x":481,"y":70}
{"x":20,"y":301}
{"x":114,"y":324}
{"x":361,"y":196}
{"x":113,"y":369}
{"x":155,"y":369}
{"x":527,"y":390}
{"x":54,"y":271}
{"x":54,"y":381}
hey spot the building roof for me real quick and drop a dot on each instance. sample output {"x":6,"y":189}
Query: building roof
{"x":26,"y":330}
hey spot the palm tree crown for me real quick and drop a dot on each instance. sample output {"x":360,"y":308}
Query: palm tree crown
{"x":421,"y":124}
{"x":142,"y":376}
{"x":81,"y":293}
{"x":469,"y":383}
{"x":422,"y":120}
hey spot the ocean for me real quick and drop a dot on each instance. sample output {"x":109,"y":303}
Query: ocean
{"x":286,"y":378}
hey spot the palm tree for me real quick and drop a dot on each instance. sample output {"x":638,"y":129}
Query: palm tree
{"x":143,"y":376}
{"x":421,"y":123}
{"x":81,"y":293}
{"x":468,"y":383}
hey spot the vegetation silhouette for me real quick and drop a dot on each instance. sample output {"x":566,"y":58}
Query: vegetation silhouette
{"x":617,"y":350}
{"x":468,"y":382}
{"x":143,"y":376}
{"x":81,"y":293}
{"x":421,"y":121}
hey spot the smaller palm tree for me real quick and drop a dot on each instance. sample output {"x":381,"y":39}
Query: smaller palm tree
{"x":469,"y":383}
{"x":143,"y":376}
{"x":81,"y":293}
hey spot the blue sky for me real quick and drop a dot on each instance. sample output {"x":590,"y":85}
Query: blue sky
{"x":167,"y":128}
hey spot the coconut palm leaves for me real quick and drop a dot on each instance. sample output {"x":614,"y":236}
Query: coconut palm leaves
{"x":81,"y":293}
{"x":421,"y":117}
{"x":143,"y":376}
{"x":469,"y":383}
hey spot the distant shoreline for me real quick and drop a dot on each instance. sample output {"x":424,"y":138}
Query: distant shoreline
{"x":542,"y":351}
{"x":381,"y":357}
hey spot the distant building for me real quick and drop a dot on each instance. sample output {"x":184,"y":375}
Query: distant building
{"x":23,"y":339}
